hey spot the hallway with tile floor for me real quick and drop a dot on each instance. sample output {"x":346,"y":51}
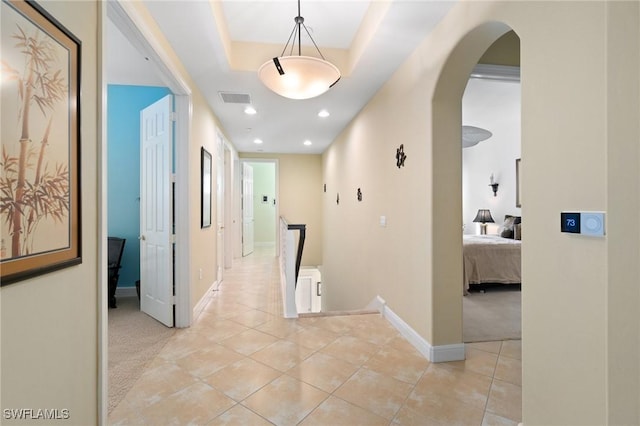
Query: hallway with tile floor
{"x":241,"y":363}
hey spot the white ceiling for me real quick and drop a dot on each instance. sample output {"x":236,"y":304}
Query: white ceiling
{"x":331,"y":23}
{"x":282,"y":124}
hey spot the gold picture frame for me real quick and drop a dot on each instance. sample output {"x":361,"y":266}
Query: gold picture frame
{"x":40,"y":210}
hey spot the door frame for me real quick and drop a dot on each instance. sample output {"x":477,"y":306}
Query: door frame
{"x":221,"y":207}
{"x":276,"y":224}
{"x":138,"y":33}
{"x":229,"y":218}
{"x":133,"y":27}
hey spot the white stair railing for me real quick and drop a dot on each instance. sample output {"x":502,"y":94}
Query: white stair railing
{"x":289,"y":265}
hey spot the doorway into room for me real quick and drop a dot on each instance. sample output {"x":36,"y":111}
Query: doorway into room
{"x":490,"y":158}
{"x":260,"y":206}
{"x":120,"y":27}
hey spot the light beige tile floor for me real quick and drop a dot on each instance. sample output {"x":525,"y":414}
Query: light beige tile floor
{"x":241,"y":363}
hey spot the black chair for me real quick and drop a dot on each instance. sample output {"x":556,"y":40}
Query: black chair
{"x":116,"y":248}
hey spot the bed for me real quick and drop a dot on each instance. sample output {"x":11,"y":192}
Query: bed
{"x":491,"y":259}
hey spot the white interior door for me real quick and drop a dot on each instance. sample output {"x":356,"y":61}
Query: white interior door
{"x":220,"y":208}
{"x":156,"y":247}
{"x":247,"y":209}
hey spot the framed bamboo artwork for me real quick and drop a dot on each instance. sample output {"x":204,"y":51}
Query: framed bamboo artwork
{"x":40,"y":212}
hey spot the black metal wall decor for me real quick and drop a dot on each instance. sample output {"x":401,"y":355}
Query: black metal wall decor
{"x":359,"y":195}
{"x":338,"y":198}
{"x":400,"y":156}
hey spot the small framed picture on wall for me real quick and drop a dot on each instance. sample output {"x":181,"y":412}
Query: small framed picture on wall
{"x":205,"y":193}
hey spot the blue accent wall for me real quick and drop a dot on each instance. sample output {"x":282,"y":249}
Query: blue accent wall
{"x":124,"y":104}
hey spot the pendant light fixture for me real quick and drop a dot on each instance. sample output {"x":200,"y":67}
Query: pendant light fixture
{"x":472,"y":135}
{"x":298,"y":77}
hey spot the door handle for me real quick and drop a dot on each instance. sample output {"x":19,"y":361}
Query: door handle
{"x":141,"y":238}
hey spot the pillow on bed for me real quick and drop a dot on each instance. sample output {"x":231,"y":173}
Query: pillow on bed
{"x":517,"y":231}
{"x":508,"y":225}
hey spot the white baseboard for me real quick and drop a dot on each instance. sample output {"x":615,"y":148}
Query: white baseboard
{"x":442,"y":353}
{"x":206,"y":297}
{"x":446,"y":353}
{"x":378,"y":303}
{"x":265,"y":244}
{"x":126,"y":292}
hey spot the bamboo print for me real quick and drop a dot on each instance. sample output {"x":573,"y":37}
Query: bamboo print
{"x":32,"y":190}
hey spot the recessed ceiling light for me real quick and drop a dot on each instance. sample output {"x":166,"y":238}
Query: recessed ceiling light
{"x":307,"y":143}
{"x":249,"y":110}
{"x":323,"y":113}
{"x":257,"y":141}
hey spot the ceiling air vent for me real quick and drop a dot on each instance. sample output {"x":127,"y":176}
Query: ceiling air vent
{"x":235,"y":98}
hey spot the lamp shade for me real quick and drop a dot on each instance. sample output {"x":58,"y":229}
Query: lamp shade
{"x":299,"y":77}
{"x":484,"y":216}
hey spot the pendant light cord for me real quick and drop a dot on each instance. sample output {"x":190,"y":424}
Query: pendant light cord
{"x":299,"y":21}
{"x":297,"y":31}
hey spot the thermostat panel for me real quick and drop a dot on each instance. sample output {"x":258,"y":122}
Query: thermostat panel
{"x":585,"y":223}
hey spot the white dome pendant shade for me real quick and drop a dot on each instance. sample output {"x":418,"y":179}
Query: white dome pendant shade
{"x":298,"y":77}
{"x":303,"y":77}
{"x":472,"y":135}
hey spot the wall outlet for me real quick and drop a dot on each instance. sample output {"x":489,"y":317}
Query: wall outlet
{"x":200,"y":273}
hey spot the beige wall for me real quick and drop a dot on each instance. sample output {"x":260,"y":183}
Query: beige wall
{"x":204,"y":251}
{"x":579,"y":151}
{"x":49,"y":324}
{"x":300,"y":197}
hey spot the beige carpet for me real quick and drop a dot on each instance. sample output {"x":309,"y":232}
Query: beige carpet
{"x":134,"y":340}
{"x":493,"y":315}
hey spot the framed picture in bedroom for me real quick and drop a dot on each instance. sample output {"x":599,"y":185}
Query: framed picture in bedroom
{"x":205,"y":191}
{"x":518,"y":183}
{"x":40,"y":166}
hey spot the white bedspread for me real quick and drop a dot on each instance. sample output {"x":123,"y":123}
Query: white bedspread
{"x":491,"y":259}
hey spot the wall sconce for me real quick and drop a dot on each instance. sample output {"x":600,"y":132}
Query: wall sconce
{"x":493,"y":185}
{"x":484,"y":217}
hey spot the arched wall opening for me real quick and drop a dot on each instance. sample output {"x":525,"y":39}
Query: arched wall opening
{"x":446,"y":201}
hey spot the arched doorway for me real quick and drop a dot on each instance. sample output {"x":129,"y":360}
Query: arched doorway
{"x":491,"y":154}
{"x":447,"y":180}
